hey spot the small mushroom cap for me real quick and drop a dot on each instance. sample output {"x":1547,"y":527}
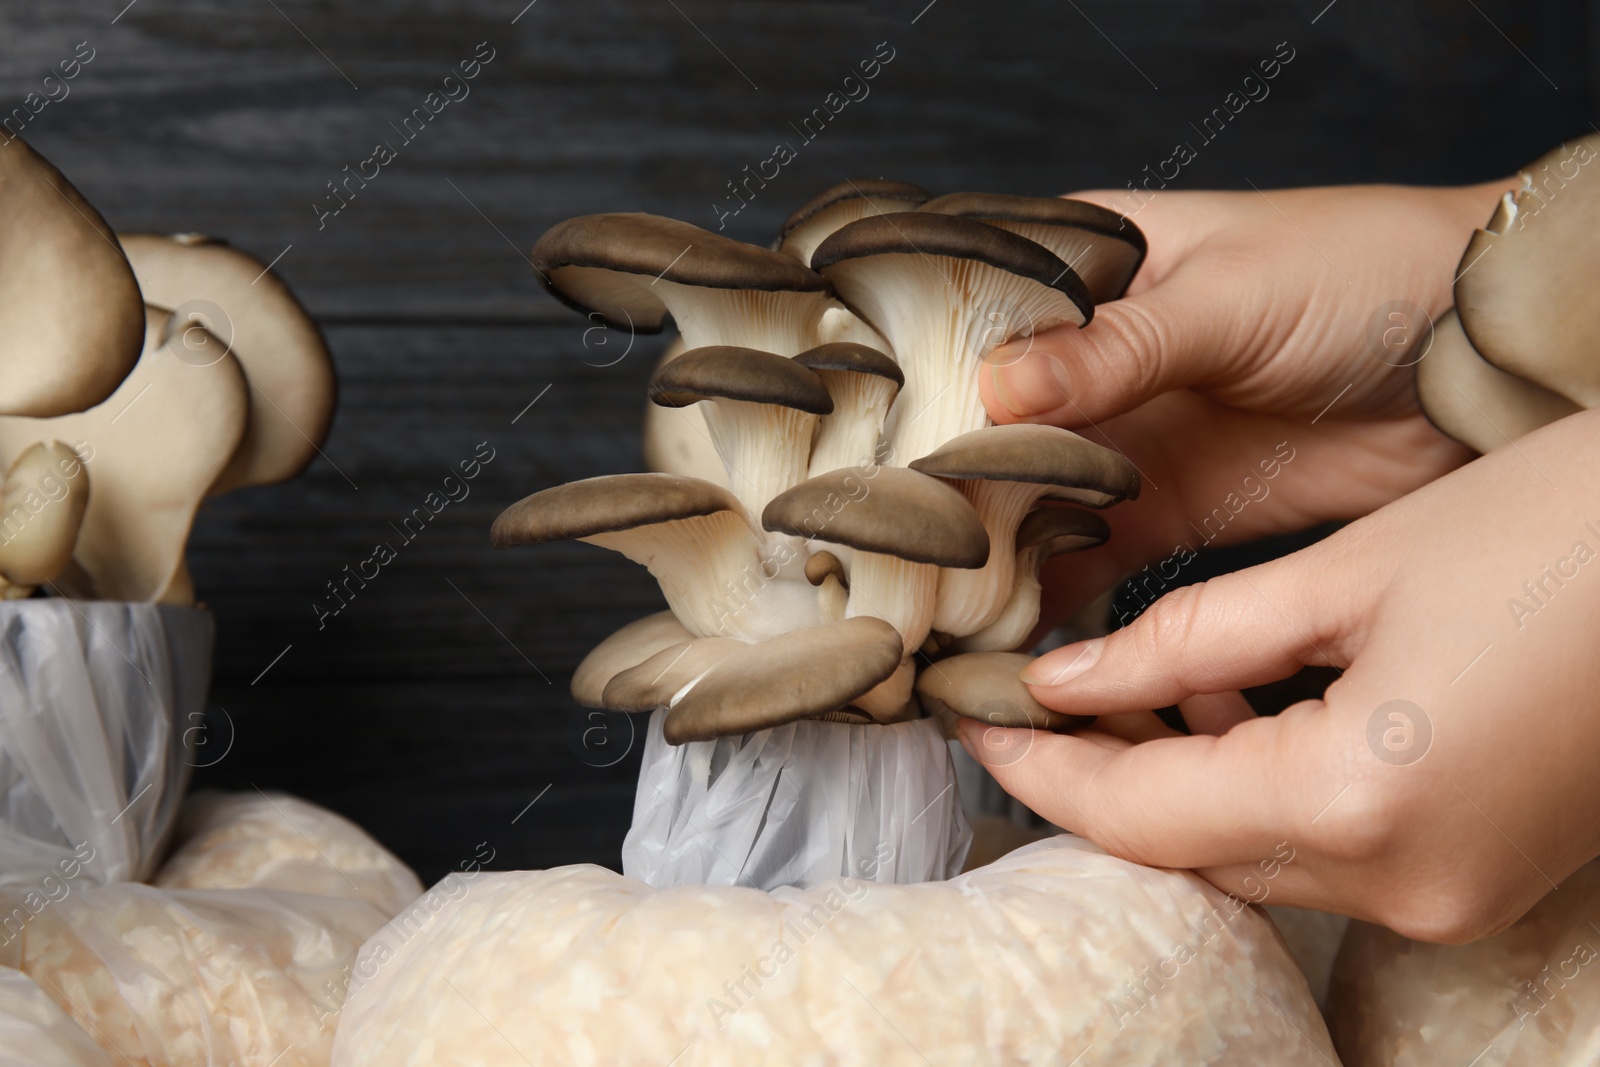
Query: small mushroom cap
{"x":849,"y":356}
{"x":986,"y":686}
{"x":677,"y":440}
{"x":799,"y":674}
{"x":729,"y":372}
{"x":891,"y":510}
{"x":1073,"y":229}
{"x":1042,"y":455}
{"x":252,"y":312}
{"x":606,"y":504}
{"x":1526,"y":294}
{"x":1061,"y":529}
{"x":821,"y":565}
{"x":884,"y":192}
{"x":628,"y":647}
{"x":41,"y":508}
{"x":587,"y":262}
{"x":69,"y":306}
{"x":919,"y":233}
{"x":1474,"y":401}
{"x":654,"y":681}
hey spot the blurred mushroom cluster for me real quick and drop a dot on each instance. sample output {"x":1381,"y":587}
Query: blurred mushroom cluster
{"x":832,"y":508}
{"x":144,"y":374}
{"x":1518,"y":349}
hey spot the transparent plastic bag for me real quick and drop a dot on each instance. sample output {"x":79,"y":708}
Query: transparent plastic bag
{"x":1526,"y":997}
{"x":1313,"y":938}
{"x":796,"y":805}
{"x":35,"y":1032}
{"x":1055,"y":954}
{"x":276,"y":841}
{"x":97,"y":703}
{"x":193,"y":977}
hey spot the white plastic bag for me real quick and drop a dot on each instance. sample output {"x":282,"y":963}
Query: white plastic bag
{"x":1526,"y":997}
{"x":1056,"y":954}
{"x":35,"y":1032}
{"x":276,"y":841}
{"x":97,"y":702}
{"x":1313,"y":938}
{"x":796,"y":805}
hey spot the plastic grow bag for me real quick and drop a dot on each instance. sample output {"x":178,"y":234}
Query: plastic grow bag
{"x":35,"y":1032}
{"x":1055,"y":954}
{"x":99,"y":705}
{"x":796,"y":805}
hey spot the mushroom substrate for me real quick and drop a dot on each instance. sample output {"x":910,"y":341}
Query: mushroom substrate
{"x":866,"y":519}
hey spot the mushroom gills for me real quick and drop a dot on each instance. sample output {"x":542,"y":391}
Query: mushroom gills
{"x":42,"y":502}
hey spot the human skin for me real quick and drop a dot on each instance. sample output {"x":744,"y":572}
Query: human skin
{"x":1235,"y":337}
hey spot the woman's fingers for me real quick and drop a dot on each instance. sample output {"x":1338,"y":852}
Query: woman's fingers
{"x":1214,"y":714}
{"x":1242,"y":629}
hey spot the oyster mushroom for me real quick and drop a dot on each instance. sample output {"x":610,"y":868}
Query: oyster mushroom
{"x":1102,"y":246}
{"x":1474,"y":401}
{"x":761,"y":412}
{"x":988,"y":286}
{"x":863,"y":383}
{"x":713,"y":686}
{"x":41,"y":508}
{"x":635,"y":271}
{"x":840,"y":204}
{"x":1045,"y":532}
{"x":1525,"y":285}
{"x":1004,"y":471}
{"x":902,"y":527}
{"x":628,"y":647}
{"x":285,"y":361}
{"x":693,"y":536}
{"x":153,"y":448}
{"x":986,"y":686}
{"x":675,"y":440}
{"x":69,"y":306}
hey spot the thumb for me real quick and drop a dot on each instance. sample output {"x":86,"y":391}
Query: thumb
{"x":1179,"y":333}
{"x":1242,"y":629}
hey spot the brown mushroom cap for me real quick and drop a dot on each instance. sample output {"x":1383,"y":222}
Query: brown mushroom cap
{"x":41,"y":508}
{"x":889,"y":510}
{"x":1082,"y":471}
{"x":839,"y":204}
{"x":1525,"y":292}
{"x":285,"y":360}
{"x":69,"y":306}
{"x":797,"y":675}
{"x":607,"y":504}
{"x":729,"y":372}
{"x":1056,"y":530}
{"x":1474,"y":401}
{"x":1103,"y":246}
{"x":153,"y":449}
{"x":986,"y":686}
{"x":613,"y":264}
{"x":676,"y":440}
{"x":917,"y":233}
{"x":628,"y":647}
{"x":849,"y":357}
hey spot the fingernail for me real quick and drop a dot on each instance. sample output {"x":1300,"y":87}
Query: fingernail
{"x":1064,"y":664}
{"x":1028,"y":382}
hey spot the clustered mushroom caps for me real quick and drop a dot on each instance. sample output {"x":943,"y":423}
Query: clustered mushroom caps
{"x":182,"y":369}
{"x":1518,"y":349}
{"x":836,"y":519}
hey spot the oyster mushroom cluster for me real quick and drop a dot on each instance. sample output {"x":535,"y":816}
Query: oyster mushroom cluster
{"x":1518,"y":350}
{"x":144,"y":374}
{"x":866,"y":547}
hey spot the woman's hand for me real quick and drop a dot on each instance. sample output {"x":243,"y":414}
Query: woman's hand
{"x":1442,"y":785}
{"x":1257,"y":328}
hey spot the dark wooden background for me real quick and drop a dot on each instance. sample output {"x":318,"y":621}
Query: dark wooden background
{"x":434,"y":708}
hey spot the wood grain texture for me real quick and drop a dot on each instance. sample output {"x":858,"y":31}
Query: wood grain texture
{"x":434,"y":708}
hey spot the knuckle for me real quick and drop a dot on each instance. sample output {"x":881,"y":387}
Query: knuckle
{"x":1446,"y":915}
{"x":1366,"y":826}
{"x":1174,"y":619}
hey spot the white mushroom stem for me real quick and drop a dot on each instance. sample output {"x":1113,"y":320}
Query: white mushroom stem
{"x":714,"y":577}
{"x":943,"y":316}
{"x":764,"y":447}
{"x":896,"y":590}
{"x":1018,"y":616}
{"x":849,"y":436}
{"x":969,"y":600}
{"x":780,"y":322}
